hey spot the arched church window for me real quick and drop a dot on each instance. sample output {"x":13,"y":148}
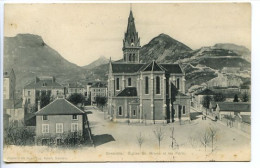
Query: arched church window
{"x":158,"y":83}
{"x":178,"y":83}
{"x":130,"y":57}
{"x":146,"y":85}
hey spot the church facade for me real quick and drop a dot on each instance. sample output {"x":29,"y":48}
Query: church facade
{"x":145,"y":92}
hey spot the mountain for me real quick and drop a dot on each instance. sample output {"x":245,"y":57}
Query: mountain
{"x":100,"y":61}
{"x":240,"y":50}
{"x":30,"y":56}
{"x":200,"y":65}
{"x":161,"y":48}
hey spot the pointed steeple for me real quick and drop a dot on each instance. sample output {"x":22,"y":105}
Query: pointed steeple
{"x":131,"y":42}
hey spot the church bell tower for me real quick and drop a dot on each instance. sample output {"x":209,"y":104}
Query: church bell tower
{"x":131,"y":42}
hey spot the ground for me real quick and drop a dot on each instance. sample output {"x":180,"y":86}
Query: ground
{"x":118,"y":142}
{"x":110,"y":135}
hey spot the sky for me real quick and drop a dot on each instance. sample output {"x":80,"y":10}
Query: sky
{"x":82,"y":33}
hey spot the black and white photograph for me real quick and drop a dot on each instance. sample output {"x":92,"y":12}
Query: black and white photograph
{"x":126,"y":82}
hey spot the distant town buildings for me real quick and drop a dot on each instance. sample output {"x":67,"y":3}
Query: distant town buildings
{"x":42,"y":86}
{"x":140,"y":92}
{"x":75,"y":87}
{"x":224,"y":80}
{"x":97,"y":89}
{"x":9,"y":85}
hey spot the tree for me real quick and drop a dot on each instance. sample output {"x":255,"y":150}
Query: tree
{"x":205,"y":139}
{"x":174,"y":144}
{"x":159,"y":134}
{"x":18,"y":135}
{"x":235,"y":98}
{"x":140,"y":140}
{"x":76,"y":98}
{"x":101,"y":101}
{"x":206,"y":101}
{"x":245,"y":97}
{"x":219,"y":97}
{"x":213,"y":137}
{"x":45,"y":100}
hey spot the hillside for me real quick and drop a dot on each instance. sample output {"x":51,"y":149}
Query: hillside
{"x":162,"y":47}
{"x":29,"y":56}
{"x":100,"y":61}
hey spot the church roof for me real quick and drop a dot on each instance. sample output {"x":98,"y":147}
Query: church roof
{"x":172,"y":68}
{"x":129,"y":91}
{"x":153,"y":66}
{"x":125,"y":68}
{"x":119,"y":67}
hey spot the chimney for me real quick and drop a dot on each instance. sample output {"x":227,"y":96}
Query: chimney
{"x":39,"y":105}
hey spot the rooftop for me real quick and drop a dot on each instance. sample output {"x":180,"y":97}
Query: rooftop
{"x":98,"y":85}
{"x":235,"y":106}
{"x":206,"y":92}
{"x":43,"y":83}
{"x":75,"y":85}
{"x":119,"y":67}
{"x":60,"y":107}
{"x":129,"y":91}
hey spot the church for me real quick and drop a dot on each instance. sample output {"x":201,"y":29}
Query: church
{"x":145,"y":92}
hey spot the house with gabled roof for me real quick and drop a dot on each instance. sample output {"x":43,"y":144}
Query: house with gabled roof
{"x":139,"y":92}
{"x":57,"y":120}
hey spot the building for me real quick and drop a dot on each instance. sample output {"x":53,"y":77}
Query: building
{"x":234,"y":70}
{"x":75,"y":88}
{"x":224,"y":109}
{"x":9,"y":85}
{"x":225,"y":80}
{"x":199,"y":96}
{"x":144,"y":92}
{"x":42,"y":86}
{"x":15,"y":110}
{"x":98,"y":89}
{"x":57,"y":120}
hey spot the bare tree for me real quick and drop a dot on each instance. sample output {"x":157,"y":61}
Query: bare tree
{"x":193,"y":141}
{"x":174,"y":144}
{"x":159,"y":134}
{"x":140,"y":140}
{"x":213,"y":137}
{"x":205,"y":139}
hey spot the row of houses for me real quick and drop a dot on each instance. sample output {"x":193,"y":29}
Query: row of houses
{"x":47,"y":85}
{"x":55,"y":123}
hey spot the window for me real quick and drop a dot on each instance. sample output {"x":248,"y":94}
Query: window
{"x":146,"y":85}
{"x":183,"y":110}
{"x":120,"y":110}
{"x":44,"y":117}
{"x":178,"y":83}
{"x":158,"y":83}
{"x":74,"y":127}
{"x":133,"y":57}
{"x":74,"y":117}
{"x":129,"y":82}
{"x":134,"y":113}
{"x":59,"y":127}
{"x":117,"y":83}
{"x":45,"y":128}
{"x":57,"y":92}
{"x":130,"y":57}
{"x":29,"y":101}
{"x":29,"y":93}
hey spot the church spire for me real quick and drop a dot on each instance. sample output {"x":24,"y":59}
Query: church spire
{"x":131,"y":42}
